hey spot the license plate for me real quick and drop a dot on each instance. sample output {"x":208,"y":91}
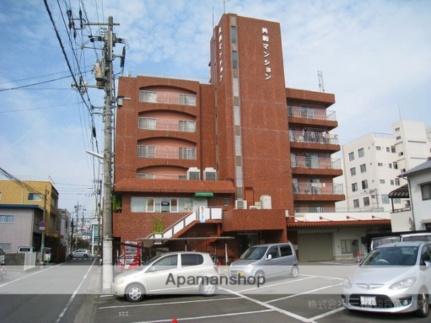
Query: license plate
{"x":368,"y":301}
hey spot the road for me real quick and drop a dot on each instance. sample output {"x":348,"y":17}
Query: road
{"x":56,"y":293}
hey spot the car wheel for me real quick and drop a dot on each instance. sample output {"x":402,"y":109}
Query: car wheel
{"x":423,"y":304}
{"x":207,"y":289}
{"x":294,"y":272}
{"x":85,"y":256}
{"x":134,"y":292}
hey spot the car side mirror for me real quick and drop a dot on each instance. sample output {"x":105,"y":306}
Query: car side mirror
{"x":269,"y":257}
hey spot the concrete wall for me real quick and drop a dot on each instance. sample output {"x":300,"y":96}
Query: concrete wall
{"x":19,"y":232}
{"x":421,"y":208}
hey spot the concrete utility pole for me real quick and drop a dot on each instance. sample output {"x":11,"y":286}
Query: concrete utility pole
{"x":105,"y":80}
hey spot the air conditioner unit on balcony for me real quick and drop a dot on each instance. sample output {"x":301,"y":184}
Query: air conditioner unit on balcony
{"x":241,"y":204}
{"x":210,"y":174}
{"x":194,"y":173}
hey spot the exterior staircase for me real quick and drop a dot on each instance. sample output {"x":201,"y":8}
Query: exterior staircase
{"x":200,"y":215}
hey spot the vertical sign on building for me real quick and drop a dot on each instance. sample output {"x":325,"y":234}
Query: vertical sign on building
{"x":220,"y":52}
{"x":266,"y":54}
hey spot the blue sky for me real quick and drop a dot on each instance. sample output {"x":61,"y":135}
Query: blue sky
{"x":375,"y":56}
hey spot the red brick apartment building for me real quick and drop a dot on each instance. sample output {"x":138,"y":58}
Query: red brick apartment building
{"x":196,"y":164}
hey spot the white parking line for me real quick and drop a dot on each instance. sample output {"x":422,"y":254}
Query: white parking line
{"x":194,"y":318}
{"x":269,"y":307}
{"x":60,"y":316}
{"x":282,"y":282}
{"x":29,"y":275}
{"x":169,"y":303}
{"x":321,"y":316}
{"x":303,"y":293}
{"x":106,"y":295}
{"x":325,"y":277}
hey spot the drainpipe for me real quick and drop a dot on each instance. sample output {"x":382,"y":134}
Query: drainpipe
{"x":411,"y":204}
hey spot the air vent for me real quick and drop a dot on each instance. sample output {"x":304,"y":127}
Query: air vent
{"x":241,"y":204}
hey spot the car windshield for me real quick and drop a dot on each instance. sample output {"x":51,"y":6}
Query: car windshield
{"x":425,"y":237}
{"x":392,"y":256}
{"x":253,"y":253}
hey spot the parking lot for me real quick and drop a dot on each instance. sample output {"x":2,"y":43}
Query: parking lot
{"x":307,"y":298}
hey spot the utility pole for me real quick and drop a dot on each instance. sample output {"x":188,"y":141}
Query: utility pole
{"x":105,"y":80}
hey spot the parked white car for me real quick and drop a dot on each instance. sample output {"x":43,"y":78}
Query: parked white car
{"x":394,"y":278}
{"x":153,"y":277}
{"x":80,"y":253}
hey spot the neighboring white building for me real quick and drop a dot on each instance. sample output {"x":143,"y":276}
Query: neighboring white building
{"x":373,"y":162}
{"x":419,"y":191}
{"x":412,"y":144}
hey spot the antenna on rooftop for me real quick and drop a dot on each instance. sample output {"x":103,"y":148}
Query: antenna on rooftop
{"x":321,"y":82}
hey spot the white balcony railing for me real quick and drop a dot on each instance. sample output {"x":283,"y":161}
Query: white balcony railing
{"x":317,"y":188}
{"x":308,"y":136}
{"x":319,"y":162}
{"x":202,"y":215}
{"x":311,"y":113}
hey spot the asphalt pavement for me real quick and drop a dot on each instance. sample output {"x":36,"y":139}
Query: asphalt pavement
{"x":311,"y":298}
{"x":48,"y":294}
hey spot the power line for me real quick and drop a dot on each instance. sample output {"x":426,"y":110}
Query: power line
{"x":38,"y":108}
{"x":33,"y":84}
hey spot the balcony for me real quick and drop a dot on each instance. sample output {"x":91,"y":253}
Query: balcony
{"x":314,"y":140}
{"x":313,"y":165}
{"x":318,"y":192}
{"x":167,"y":96}
{"x":317,"y":117}
{"x":162,"y":152}
{"x":166,"y":125}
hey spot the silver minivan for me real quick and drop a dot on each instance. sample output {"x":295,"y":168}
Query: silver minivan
{"x":267,"y":260}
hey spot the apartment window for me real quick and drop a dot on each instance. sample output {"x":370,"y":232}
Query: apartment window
{"x":392,"y":182}
{"x":34,"y":197}
{"x":356,"y":203}
{"x":388,"y":149}
{"x":146,"y":151}
{"x":151,"y":205}
{"x":397,"y":129}
{"x":186,"y":125}
{"x":352,"y":156}
{"x":354,"y":187}
{"x":380,"y":164}
{"x":234,"y":59}
{"x":353,"y":171}
{"x":395,"y":165}
{"x":364,"y":184}
{"x":147,"y":123}
{"x":397,"y":181}
{"x":390,"y":165}
{"x":393,"y":149}
{"x":7,"y":218}
{"x":385,"y":199}
{"x":363,"y":168}
{"x":382,"y":181}
{"x":366,"y":201}
{"x":188,"y":153}
{"x":361,"y":152}
{"x":378,"y":148}
{"x":187,"y":99}
{"x":233,"y":34}
{"x":426,"y":191}
{"x":148,"y":96}
{"x":398,"y":137}
{"x":401,"y":153}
